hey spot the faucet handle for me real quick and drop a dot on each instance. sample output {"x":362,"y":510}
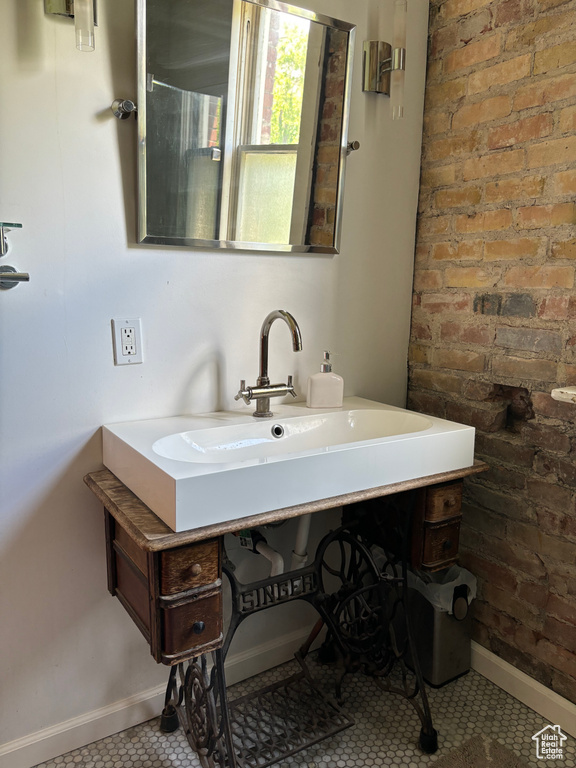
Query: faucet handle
{"x":244,"y":393}
{"x":290,"y":387}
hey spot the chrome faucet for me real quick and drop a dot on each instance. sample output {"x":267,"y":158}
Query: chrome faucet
{"x":263,"y":390}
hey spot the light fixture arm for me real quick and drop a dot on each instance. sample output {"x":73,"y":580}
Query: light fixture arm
{"x":384,"y":64}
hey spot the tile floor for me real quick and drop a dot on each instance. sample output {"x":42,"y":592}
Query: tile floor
{"x":385,"y":732}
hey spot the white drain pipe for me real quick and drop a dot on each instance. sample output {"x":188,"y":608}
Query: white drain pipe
{"x":300,"y":555}
{"x":274,"y":557}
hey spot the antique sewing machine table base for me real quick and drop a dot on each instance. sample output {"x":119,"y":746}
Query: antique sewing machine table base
{"x":171,"y":585}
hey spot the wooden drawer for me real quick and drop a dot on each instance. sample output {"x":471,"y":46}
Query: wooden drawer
{"x":189,"y":567}
{"x":440,"y":545}
{"x":173,"y":596}
{"x":131,"y":588}
{"x":191,"y":624}
{"x":443,"y":502}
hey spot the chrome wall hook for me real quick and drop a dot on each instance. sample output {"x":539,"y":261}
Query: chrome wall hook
{"x":6,"y":227}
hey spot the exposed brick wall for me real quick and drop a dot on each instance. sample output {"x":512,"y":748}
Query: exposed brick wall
{"x":494,"y":318}
{"x":321,"y":226}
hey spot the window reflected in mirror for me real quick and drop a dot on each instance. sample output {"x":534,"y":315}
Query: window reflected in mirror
{"x":244,"y":131}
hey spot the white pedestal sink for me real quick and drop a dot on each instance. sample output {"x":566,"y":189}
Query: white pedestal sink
{"x":200,"y":470}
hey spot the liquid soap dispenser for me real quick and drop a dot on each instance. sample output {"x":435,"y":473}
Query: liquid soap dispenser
{"x":325,"y":389}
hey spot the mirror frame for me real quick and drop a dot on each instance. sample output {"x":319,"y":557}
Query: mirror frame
{"x":145,"y":237}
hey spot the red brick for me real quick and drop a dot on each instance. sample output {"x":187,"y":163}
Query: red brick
{"x":436,"y":303}
{"x":494,"y":164}
{"x":559,"y":633}
{"x":425,"y":402}
{"x":421,"y":331}
{"x":538,"y":216}
{"x":433,"y":225}
{"x":562,"y":609}
{"x":528,"y":35}
{"x":513,"y":248}
{"x":551,"y":152}
{"x":546,"y":546}
{"x":548,"y":438}
{"x":557,"y":657}
{"x":488,"y":419}
{"x":427,"y":279}
{"x":565,"y":182}
{"x":504,"y":625}
{"x":500,"y":74}
{"x":481,"y":112}
{"x":561,"y":55}
{"x":505,"y":479}
{"x":442,"y":95}
{"x":453,"y":9}
{"x":554,"y":308}
{"x":545,"y":92}
{"x":438,"y":381}
{"x":473,"y":53}
{"x":508,"y":11}
{"x":440,"y":149}
{"x":555,"y":469}
{"x":506,"y":602}
{"x":533,"y":593}
{"x":514,"y":189}
{"x":564,"y":249}
{"x":484,"y":526}
{"x":545,"y":405}
{"x":470,"y":277}
{"x":539,"y":277}
{"x":491,"y":571}
{"x":529,"y":128}
{"x":459,"y":360}
{"x":511,"y":451}
{"x":504,"y":503}
{"x":554,"y":497}
{"x":457,"y":197}
{"x":468,"y":334}
{"x":484,"y":221}
{"x":525,"y":368}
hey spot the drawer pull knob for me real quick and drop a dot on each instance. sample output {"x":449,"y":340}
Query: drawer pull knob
{"x":196,"y":569}
{"x":446,"y":545}
{"x":450,"y":502}
{"x":198,"y":627}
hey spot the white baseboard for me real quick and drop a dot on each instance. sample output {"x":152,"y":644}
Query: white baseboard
{"x":48,"y":743}
{"x":51,"y":742}
{"x":552,"y":706}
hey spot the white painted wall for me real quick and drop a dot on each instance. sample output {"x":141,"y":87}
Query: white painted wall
{"x":67,"y":172}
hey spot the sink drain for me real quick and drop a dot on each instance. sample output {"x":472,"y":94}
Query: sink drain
{"x":277,"y":430}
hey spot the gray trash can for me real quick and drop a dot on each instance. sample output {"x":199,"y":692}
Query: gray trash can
{"x":439,"y":608}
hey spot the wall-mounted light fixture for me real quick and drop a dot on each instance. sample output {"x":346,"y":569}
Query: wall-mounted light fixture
{"x":384,"y":65}
{"x":84,"y":14}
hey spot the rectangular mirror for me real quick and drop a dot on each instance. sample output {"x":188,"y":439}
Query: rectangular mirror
{"x":242,"y":124}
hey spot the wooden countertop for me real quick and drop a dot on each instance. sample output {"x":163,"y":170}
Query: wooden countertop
{"x":154,"y":535}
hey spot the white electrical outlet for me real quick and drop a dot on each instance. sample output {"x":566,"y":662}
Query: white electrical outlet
{"x":127,"y":337}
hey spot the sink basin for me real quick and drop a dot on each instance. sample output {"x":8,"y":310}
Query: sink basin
{"x":284,"y":436}
{"x":200,"y":470}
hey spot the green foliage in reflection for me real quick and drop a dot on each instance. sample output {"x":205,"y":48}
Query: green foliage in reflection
{"x":288,"y":85}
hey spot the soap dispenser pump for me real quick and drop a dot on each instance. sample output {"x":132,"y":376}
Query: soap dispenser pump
{"x":325,"y":389}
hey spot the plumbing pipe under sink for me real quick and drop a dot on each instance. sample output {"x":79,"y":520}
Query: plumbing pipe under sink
{"x":299,"y":554}
{"x":275,"y":558}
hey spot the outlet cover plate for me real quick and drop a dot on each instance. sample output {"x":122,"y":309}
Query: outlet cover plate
{"x":127,"y":329}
